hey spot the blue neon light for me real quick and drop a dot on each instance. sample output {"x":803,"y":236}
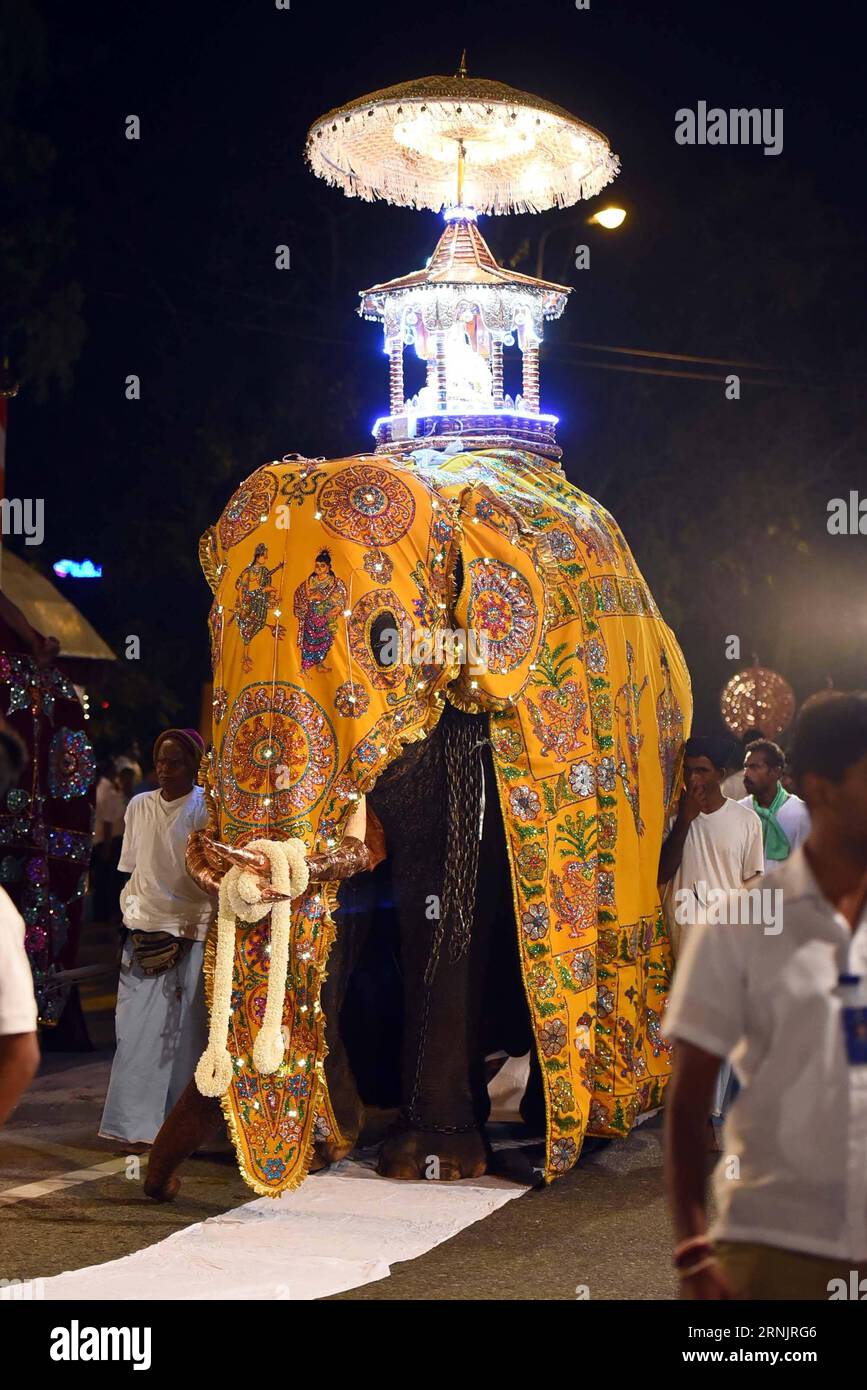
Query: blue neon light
{"x":77,"y":569}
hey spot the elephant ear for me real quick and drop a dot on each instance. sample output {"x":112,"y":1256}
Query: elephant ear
{"x":504,"y":604}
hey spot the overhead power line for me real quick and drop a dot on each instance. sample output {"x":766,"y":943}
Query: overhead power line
{"x":681,"y":357}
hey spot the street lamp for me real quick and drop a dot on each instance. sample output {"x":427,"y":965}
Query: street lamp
{"x":609,"y":218}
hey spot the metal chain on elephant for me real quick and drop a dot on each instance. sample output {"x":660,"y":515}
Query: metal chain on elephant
{"x":465,"y":789}
{"x":465,"y":810}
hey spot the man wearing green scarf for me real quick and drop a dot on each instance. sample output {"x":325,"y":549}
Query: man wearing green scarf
{"x":785,"y":818}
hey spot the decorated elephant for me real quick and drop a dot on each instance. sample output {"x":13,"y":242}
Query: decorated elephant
{"x":457,"y":650}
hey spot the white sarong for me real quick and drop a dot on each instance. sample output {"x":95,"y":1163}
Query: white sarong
{"x":162,"y":1030}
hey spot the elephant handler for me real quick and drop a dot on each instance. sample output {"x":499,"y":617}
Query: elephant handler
{"x":161,"y":1020}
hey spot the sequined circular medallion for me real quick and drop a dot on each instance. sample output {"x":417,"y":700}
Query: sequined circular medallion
{"x":278,"y":756}
{"x":366,"y":504}
{"x":501,"y":612}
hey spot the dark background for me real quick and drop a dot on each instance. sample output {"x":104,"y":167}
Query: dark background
{"x":156,"y":257}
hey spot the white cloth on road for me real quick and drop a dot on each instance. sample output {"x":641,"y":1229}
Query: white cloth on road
{"x":339,"y":1230}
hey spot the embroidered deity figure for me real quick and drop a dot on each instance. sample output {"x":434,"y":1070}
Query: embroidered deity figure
{"x":319,"y":602}
{"x":255,"y":598}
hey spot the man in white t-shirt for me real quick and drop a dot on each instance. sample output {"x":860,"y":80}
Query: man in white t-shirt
{"x":784,"y":816}
{"x":790,"y":1009}
{"x":19,"y":1048}
{"x":712,"y":852}
{"x":733,"y":785}
{"x":161,"y":1021}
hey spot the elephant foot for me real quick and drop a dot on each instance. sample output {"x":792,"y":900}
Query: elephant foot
{"x":348,"y":1108}
{"x":414,"y":1154}
{"x":165,"y":1191}
{"x":325,"y":1154}
{"x":194,"y":1119}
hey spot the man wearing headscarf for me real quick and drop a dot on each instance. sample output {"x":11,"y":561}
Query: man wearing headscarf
{"x":713,"y":850}
{"x":161,"y":1021}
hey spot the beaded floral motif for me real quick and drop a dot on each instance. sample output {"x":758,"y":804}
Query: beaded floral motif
{"x":351,"y":700}
{"x":278,"y":755}
{"x":249,"y":507}
{"x":45,"y":825}
{"x":366,"y":504}
{"x":71,"y":764}
{"x":501,"y":610}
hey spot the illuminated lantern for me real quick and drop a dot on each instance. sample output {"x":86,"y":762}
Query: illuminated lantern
{"x":757,"y":698}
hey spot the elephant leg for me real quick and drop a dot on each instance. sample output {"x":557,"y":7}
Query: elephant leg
{"x":193,"y":1119}
{"x":441,"y":1133}
{"x":353,"y":924}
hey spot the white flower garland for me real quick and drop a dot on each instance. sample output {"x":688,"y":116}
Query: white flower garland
{"x":239,"y":898}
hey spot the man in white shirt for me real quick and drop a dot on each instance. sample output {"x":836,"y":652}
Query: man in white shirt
{"x":161,"y":1021}
{"x":19,"y":1048}
{"x":107,"y":836}
{"x":713,"y":851}
{"x":733,"y":785}
{"x":713,"y":843}
{"x":792,"y":1211}
{"x":784,"y":816}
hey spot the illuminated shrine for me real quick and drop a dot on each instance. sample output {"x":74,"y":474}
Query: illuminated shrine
{"x":469,"y":146}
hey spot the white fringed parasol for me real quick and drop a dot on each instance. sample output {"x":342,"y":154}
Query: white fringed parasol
{"x":440,"y":140}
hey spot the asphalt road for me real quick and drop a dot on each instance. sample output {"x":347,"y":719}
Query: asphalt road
{"x":67,"y":1200}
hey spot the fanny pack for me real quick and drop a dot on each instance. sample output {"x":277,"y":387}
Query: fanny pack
{"x":158,"y":951}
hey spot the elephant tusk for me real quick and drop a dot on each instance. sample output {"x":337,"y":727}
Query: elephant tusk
{"x":351,"y":856}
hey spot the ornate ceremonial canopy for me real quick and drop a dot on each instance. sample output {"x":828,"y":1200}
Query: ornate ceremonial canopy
{"x":523,"y":154}
{"x":467,"y":145}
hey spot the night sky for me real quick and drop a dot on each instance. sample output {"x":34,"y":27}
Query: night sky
{"x":164,"y":249}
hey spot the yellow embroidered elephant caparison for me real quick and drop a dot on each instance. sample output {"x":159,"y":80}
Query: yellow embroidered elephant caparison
{"x":589,"y":702}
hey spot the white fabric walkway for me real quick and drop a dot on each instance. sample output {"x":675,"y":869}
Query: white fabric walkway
{"x":339,"y":1230}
